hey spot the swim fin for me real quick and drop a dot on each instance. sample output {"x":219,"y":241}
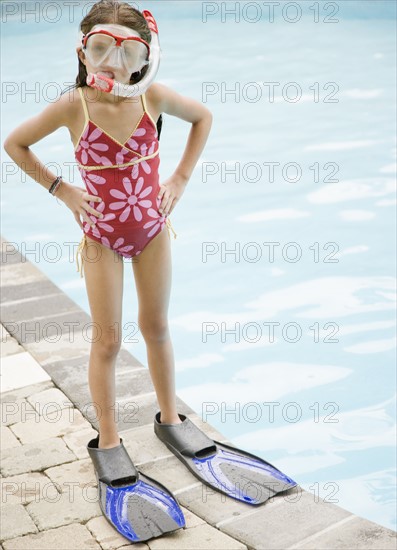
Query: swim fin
{"x":137,"y":506}
{"x":227,"y":469}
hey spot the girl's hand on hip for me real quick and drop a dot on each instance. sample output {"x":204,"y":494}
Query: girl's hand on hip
{"x":170,"y":193}
{"x":77,"y":199}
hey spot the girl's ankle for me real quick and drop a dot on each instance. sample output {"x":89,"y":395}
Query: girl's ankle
{"x":108,"y":443}
{"x":170,"y":419}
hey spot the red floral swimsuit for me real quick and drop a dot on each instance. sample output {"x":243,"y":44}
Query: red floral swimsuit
{"x":126,"y":177}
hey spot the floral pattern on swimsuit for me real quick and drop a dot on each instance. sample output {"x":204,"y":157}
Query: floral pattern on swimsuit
{"x":126,"y":178}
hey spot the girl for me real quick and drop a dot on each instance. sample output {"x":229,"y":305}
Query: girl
{"x":123,"y":212}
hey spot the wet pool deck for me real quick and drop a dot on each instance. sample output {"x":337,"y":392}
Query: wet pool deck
{"x":49,"y":497}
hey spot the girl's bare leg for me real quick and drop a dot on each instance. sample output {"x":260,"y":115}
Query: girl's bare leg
{"x":153,"y":274}
{"x":103,"y":272}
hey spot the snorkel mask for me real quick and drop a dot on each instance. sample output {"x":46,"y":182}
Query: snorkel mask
{"x":112,"y":46}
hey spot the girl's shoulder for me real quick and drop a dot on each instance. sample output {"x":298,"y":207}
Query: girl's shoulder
{"x":158,"y":96}
{"x":155,"y":93}
{"x":64,"y":109}
{"x":70,"y":103}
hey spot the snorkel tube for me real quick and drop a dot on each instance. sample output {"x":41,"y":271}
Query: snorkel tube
{"x":108,"y":85}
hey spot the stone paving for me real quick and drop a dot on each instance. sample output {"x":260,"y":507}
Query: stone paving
{"x":48,"y":488}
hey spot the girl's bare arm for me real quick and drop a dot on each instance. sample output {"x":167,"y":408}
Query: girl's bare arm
{"x":190,"y":110}
{"x":33,"y":130}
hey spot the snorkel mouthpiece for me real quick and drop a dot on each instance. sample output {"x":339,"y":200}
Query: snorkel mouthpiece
{"x":109,"y":85}
{"x":100,"y":82}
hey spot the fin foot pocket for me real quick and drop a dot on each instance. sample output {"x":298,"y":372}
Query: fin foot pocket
{"x":124,"y":481}
{"x":137,"y":506}
{"x":229,"y":470}
{"x":208,"y":451}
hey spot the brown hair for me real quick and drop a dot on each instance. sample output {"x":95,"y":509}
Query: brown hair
{"x":120,"y":13}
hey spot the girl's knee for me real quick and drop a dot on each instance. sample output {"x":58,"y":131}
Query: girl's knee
{"x":107,"y":346}
{"x":154,"y":329}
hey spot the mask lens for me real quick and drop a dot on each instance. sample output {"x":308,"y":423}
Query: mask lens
{"x":102,"y":48}
{"x":98,"y":47}
{"x":135,"y":54}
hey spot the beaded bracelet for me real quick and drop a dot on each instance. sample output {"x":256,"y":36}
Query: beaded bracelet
{"x":55,"y":185}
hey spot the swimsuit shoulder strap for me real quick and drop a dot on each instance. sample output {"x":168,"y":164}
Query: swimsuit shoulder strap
{"x":87,"y":117}
{"x":143,"y":99}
